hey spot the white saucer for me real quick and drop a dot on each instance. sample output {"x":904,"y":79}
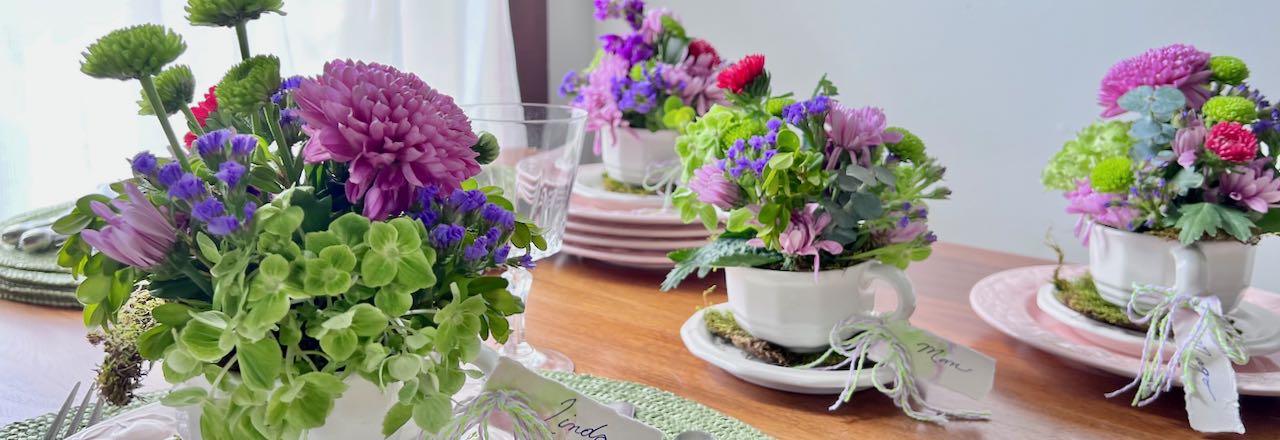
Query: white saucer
{"x":736,"y":362}
{"x":1263,"y":340}
{"x":590,"y":185}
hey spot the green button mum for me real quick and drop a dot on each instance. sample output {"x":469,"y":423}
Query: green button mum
{"x":910,"y":149}
{"x":248,"y":86}
{"x":1230,"y":108}
{"x":176,"y":86}
{"x":1228,"y":69}
{"x":1113,"y":175}
{"x":774,"y":106}
{"x":132,"y":53}
{"x":229,"y":13}
{"x":487,"y":147}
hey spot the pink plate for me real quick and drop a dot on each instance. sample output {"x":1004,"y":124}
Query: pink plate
{"x":1007,"y":301}
{"x":643,"y":216}
{"x":640,"y":259}
{"x":639,"y":244}
{"x":596,"y":227}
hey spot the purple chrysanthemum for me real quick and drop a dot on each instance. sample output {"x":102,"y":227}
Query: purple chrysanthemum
{"x":711,"y":187}
{"x":393,"y":131}
{"x":143,"y":163}
{"x":139,"y":235}
{"x":1177,"y":65}
{"x":857,"y":129}
{"x":1258,"y":191}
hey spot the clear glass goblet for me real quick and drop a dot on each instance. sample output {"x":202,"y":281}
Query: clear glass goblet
{"x":541,"y":146}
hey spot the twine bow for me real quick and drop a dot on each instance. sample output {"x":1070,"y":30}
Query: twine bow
{"x":867,"y":331}
{"x":1154,"y":378}
{"x":477,"y":413}
{"x":665,"y":176}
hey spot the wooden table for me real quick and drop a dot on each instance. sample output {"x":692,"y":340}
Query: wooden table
{"x":613,"y":322}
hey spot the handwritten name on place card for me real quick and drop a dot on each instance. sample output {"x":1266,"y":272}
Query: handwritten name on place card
{"x":945,"y":363}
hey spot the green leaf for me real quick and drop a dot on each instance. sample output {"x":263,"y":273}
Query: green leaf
{"x":314,"y":400}
{"x":207,"y":248}
{"x":263,"y":315}
{"x":260,"y":362}
{"x":433,"y":412}
{"x":94,"y":289}
{"x":184,"y":397}
{"x":782,"y":161}
{"x":379,"y":269}
{"x":317,"y":241}
{"x":202,"y":336}
{"x":173,"y":314}
{"x":351,"y":228}
{"x":1186,"y":180}
{"x":1236,"y":224}
{"x":339,"y":344}
{"x":393,"y":303}
{"x":704,"y":258}
{"x":1270,"y":222}
{"x":788,"y":141}
{"x":404,"y":366}
{"x":738,"y":219}
{"x":367,"y":320}
{"x":414,"y":271}
{"x":707,"y":214}
{"x":153,"y":342}
{"x":408,"y":233}
{"x":73,"y":222}
{"x":1200,"y":219}
{"x":381,"y":236}
{"x":340,"y":257}
{"x":341,"y":321}
{"x":396,"y":417}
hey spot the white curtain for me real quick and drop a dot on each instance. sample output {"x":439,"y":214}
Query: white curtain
{"x":63,"y":133}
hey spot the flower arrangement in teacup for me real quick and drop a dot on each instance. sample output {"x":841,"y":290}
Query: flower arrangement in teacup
{"x":321,"y":234}
{"x":641,"y":89}
{"x":1182,"y":156}
{"x":816,"y":194}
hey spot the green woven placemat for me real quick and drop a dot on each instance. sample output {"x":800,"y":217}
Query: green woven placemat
{"x":667,"y":412}
{"x":36,"y":278}
{"x":46,"y":261}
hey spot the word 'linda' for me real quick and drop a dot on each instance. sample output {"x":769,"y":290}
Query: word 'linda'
{"x":567,"y":424}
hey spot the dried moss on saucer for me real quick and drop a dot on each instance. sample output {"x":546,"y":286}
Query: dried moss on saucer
{"x":722,"y":325}
{"x":613,"y":185}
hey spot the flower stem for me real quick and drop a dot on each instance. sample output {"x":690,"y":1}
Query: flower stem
{"x":149,"y":86}
{"x":192,"y":122}
{"x":242,"y":34}
{"x":282,"y":148}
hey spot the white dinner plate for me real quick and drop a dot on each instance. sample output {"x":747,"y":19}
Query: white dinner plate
{"x":1007,"y":301}
{"x":702,"y":344}
{"x":590,"y":186}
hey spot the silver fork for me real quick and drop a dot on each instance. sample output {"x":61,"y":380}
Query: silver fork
{"x":73,"y":425}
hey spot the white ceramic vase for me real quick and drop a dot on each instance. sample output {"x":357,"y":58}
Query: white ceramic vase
{"x":630,"y":155}
{"x":798,"y":310}
{"x":357,"y":414}
{"x":1119,"y":259}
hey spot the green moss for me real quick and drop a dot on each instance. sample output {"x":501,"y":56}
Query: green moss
{"x":612,"y":185}
{"x":1082,"y":296}
{"x":723,"y":326}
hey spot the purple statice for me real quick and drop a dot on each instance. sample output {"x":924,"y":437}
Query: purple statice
{"x":794,"y":113}
{"x":188,"y":187}
{"x":223,"y":225}
{"x":208,"y":209}
{"x":447,"y":235}
{"x":527,"y":262}
{"x":477,"y":250}
{"x":169,"y":174}
{"x":500,"y":254}
{"x":213,"y":142}
{"x":428,"y":217}
{"x":773,"y":125}
{"x":289,"y":116}
{"x":428,"y":195}
{"x":631,"y":48}
{"x":143,"y":163}
{"x":467,"y":201}
{"x":640,"y":97}
{"x":498,"y":215}
{"x":250,"y":209}
{"x":569,"y":84}
{"x":606,"y":9}
{"x":756,"y":142}
{"x":819,"y":104}
{"x":288,"y":84}
{"x":493,"y":235}
{"x":230,"y":173}
{"x":634,"y":12}
{"x":242,"y":145}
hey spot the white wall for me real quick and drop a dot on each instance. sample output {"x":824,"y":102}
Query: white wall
{"x":993,"y":87}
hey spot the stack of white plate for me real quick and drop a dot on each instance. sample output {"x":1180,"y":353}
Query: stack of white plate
{"x":624,"y":229}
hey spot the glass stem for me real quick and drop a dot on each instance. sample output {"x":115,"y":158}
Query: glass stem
{"x":520,"y":281}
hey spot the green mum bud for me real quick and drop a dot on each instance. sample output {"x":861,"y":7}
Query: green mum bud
{"x":1113,"y":175}
{"x":1230,"y":108}
{"x":488,"y":148}
{"x":248,"y":86}
{"x":228,"y":13}
{"x":132,"y":53}
{"x":774,"y":106}
{"x":1228,"y":69}
{"x":176,"y":86}
{"x":910,"y":149}
{"x":743,"y":129}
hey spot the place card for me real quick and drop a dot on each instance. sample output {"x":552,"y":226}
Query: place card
{"x":570,"y":414}
{"x":1213,"y":403}
{"x":950,"y":365}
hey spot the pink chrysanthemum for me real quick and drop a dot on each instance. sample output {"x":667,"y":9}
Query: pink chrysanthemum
{"x":1178,"y":65}
{"x":856,"y":129}
{"x":140,"y":235}
{"x":1097,"y":207}
{"x":713,"y":188}
{"x":1233,"y":142}
{"x":1259,"y":191}
{"x":394,"y":132}
{"x":597,"y":97}
{"x":804,"y":235}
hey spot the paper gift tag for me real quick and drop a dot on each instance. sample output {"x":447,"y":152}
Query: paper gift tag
{"x":569,"y":414}
{"x":1213,"y":404}
{"x":937,"y":360}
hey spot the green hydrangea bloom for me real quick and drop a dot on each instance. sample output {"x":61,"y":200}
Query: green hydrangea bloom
{"x":1078,"y":157}
{"x":1112,"y":175}
{"x":488,"y":148}
{"x":910,"y":149}
{"x":774,"y":106}
{"x":228,"y":13}
{"x":176,"y":86}
{"x":248,"y":86}
{"x":1228,"y":69}
{"x":700,"y":143}
{"x":1230,"y":108}
{"x":132,"y":53}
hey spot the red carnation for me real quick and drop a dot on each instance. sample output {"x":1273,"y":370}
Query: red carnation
{"x":1232,"y":142}
{"x":741,"y":73}
{"x":201,"y":112}
{"x":700,"y":47}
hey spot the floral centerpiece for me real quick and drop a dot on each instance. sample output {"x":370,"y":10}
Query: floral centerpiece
{"x":1181,"y":157}
{"x":642,"y":88}
{"x":808,"y":185}
{"x":319,"y":236}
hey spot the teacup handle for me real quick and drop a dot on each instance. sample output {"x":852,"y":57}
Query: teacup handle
{"x":1192,"y":276}
{"x":898,"y":280}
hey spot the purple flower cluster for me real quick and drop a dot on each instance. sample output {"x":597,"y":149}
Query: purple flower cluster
{"x":222,"y":150}
{"x":753,"y":153}
{"x":463,"y":224}
{"x":642,"y":96}
{"x":632,"y":10}
{"x":796,"y":113}
{"x":288,"y":84}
